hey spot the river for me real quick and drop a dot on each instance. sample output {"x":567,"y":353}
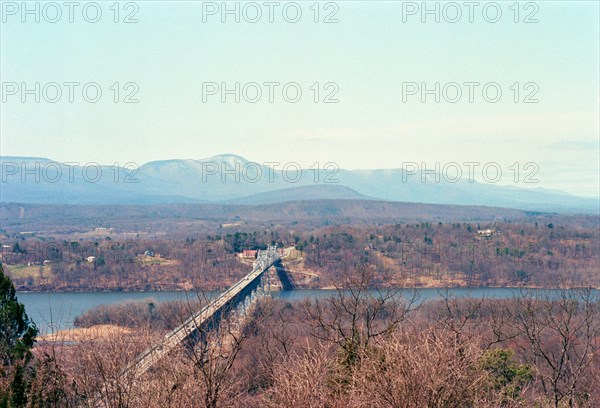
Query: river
{"x":57,"y":310}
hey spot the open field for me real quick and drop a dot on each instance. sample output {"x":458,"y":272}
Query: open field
{"x":33,"y":271}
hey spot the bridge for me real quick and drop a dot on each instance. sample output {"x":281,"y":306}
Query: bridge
{"x":238,"y":298}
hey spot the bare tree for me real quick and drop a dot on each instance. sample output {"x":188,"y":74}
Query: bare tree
{"x":423,"y":367}
{"x":354,"y":316}
{"x":212,"y":351}
{"x":561,"y":337}
{"x":277,"y":333}
{"x":98,"y":367}
{"x":303,"y":380}
{"x":467,"y":317}
{"x":412,"y":367}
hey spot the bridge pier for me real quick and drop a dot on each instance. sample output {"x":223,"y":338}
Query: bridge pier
{"x":241,"y":309}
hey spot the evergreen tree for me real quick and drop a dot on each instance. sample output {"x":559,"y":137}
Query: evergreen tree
{"x":17,"y":335}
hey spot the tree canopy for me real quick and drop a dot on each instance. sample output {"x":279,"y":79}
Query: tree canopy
{"x":17,"y":332}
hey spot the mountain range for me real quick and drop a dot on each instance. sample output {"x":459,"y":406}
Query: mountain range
{"x":231,"y":179}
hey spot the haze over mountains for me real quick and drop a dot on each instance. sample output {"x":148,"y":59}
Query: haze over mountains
{"x":231,"y":179}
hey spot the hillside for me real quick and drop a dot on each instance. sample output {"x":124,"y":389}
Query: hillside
{"x":192,"y":218}
{"x":231,"y":179}
{"x":316,"y":192}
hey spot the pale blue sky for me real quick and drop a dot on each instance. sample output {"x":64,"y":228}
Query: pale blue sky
{"x":369,"y":53}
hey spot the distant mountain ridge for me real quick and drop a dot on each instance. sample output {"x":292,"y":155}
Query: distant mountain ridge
{"x":316,"y":192}
{"x":317,"y":212}
{"x":235,"y":180}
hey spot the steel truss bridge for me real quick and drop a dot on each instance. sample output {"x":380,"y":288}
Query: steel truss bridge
{"x":238,"y":298}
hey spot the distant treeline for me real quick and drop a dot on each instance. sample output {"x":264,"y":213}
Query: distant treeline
{"x":434,"y":254}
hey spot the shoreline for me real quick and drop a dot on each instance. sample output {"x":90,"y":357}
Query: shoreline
{"x":324,"y":288}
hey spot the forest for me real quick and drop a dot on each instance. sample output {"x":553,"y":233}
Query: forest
{"x":528,"y":253}
{"x":356,"y":348}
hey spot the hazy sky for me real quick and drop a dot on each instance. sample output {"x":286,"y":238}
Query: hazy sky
{"x":368,"y":56}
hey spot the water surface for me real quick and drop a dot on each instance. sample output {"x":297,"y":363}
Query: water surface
{"x":58,"y":310}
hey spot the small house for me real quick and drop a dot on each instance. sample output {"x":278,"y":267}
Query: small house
{"x":486,"y":233}
{"x":249,"y":253}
